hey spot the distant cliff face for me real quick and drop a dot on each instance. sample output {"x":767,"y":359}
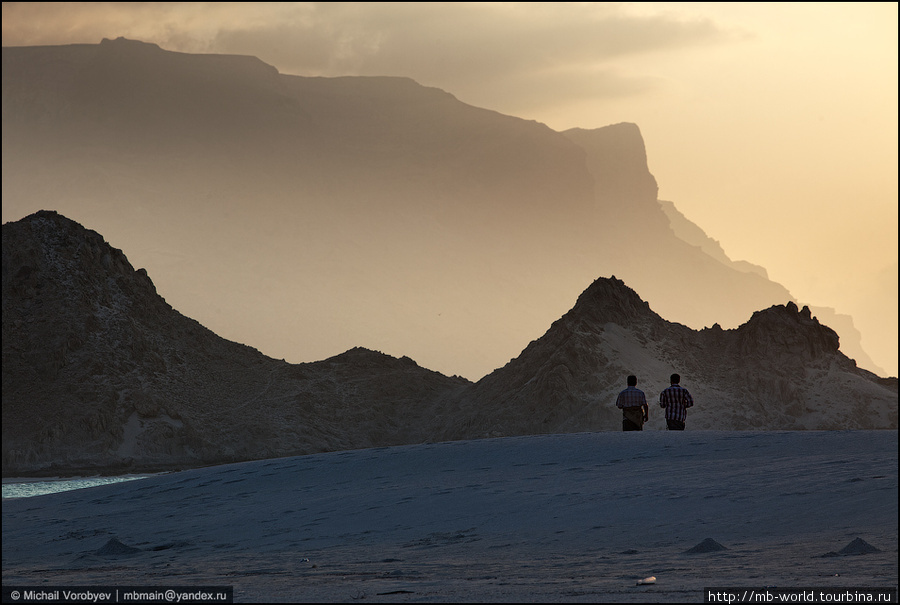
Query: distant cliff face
{"x":293,"y":195}
{"x":101,"y":374}
{"x":618,"y":160}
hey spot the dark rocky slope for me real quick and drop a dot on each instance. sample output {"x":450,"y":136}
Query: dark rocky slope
{"x":101,"y":374}
{"x":782,"y":369}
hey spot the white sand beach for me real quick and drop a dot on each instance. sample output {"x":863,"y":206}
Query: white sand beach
{"x":562,"y":518}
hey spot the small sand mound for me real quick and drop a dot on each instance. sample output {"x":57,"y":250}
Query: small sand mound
{"x":708,"y":545}
{"x":114,"y":548}
{"x":858,"y":547}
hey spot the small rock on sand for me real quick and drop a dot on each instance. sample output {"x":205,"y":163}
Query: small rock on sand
{"x":114,"y":548}
{"x":708,"y":545}
{"x":857,"y":547}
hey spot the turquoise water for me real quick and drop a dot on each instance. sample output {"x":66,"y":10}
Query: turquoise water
{"x":25,"y":488}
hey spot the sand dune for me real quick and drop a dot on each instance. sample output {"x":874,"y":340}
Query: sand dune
{"x":577,"y":517}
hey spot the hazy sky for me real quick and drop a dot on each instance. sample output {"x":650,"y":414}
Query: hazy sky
{"x":773,"y":126}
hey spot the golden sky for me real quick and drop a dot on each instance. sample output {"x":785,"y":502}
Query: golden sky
{"x":773,"y":126}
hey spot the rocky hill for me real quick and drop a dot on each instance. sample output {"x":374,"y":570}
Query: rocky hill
{"x":310,"y":215}
{"x":100,"y":373}
{"x":782,"y":369}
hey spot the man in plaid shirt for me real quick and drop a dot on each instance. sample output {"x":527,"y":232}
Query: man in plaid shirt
{"x":676,"y":400}
{"x":634,"y":407}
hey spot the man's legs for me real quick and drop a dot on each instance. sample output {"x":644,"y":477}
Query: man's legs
{"x":628,"y":425}
{"x":674,"y":425}
{"x":632,"y":419}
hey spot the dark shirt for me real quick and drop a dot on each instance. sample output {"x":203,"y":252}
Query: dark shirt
{"x":676,"y":400}
{"x":630,"y":398}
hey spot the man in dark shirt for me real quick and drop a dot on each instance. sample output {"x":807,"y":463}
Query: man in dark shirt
{"x":676,"y":400}
{"x":633,"y":404}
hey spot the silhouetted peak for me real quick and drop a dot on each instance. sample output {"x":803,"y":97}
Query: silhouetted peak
{"x":785,"y":314}
{"x":121,"y":44}
{"x":610,"y":300}
{"x":54,"y":229}
{"x":48,"y":250}
{"x":361,"y":357}
{"x":49,"y":232}
{"x":791,"y":329}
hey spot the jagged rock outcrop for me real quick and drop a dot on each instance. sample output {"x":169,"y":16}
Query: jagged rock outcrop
{"x":781,"y":369}
{"x":100,"y":373}
{"x":783,"y":333}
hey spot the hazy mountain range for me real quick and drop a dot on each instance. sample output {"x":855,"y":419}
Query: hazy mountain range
{"x":101,"y":373}
{"x":307,"y":216}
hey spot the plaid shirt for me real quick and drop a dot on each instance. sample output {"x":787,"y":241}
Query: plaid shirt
{"x":631,"y":398}
{"x":676,"y":400}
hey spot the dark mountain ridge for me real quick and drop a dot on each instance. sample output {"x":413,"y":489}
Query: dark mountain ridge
{"x":441,"y":213}
{"x":780,"y":369}
{"x":100,"y":373}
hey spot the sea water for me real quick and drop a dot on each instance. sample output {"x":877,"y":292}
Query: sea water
{"x":25,"y":488}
